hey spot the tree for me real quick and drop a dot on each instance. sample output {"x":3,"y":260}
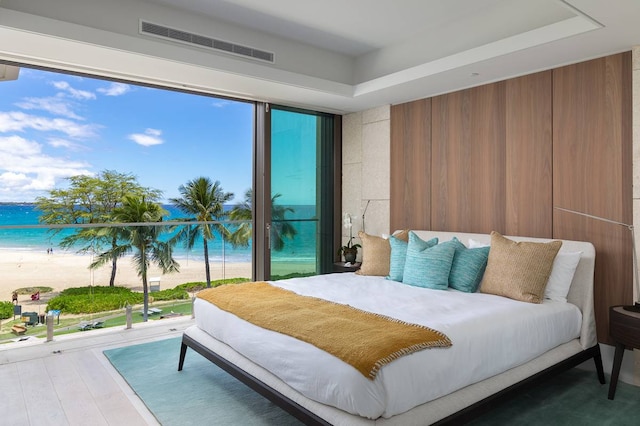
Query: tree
{"x":204,"y":200}
{"x":142,"y":239}
{"x":281,"y":229}
{"x":243,"y":214}
{"x":91,"y":200}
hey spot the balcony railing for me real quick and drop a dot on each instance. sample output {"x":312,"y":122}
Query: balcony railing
{"x":37,"y":272}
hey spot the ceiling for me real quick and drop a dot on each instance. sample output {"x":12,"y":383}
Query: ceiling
{"x":343,"y":55}
{"x":359,"y":28}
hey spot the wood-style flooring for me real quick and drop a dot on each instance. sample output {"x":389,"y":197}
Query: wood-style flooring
{"x":70,"y":382}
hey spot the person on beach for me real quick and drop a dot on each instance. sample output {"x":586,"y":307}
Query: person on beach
{"x":14,"y":297}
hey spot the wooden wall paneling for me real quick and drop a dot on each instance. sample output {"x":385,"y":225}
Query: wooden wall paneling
{"x":468,"y":160}
{"x":529,"y":156}
{"x":592,"y":160}
{"x":410,"y":165}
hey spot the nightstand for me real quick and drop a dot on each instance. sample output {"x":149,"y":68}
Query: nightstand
{"x":624,"y":328}
{"x":342,"y":267}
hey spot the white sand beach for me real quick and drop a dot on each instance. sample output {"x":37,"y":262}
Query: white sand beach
{"x":60,"y":270}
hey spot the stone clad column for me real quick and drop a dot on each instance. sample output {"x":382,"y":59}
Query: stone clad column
{"x":376,"y":169}
{"x":366,"y":169}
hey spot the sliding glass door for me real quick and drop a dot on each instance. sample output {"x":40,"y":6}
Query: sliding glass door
{"x":298,"y":193}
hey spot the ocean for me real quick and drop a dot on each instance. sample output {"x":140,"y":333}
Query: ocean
{"x":301,"y":248}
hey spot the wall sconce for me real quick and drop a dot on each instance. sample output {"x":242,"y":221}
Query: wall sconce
{"x":363,"y":213}
{"x":636,"y":306}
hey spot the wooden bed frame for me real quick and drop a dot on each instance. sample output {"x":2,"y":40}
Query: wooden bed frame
{"x":463,"y":416}
{"x":472,"y":401}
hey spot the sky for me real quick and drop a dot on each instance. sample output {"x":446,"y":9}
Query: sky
{"x":54,"y":126}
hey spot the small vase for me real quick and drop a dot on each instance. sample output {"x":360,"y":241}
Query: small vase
{"x":350,"y":255}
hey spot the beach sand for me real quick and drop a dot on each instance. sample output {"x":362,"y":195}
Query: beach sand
{"x":60,"y":270}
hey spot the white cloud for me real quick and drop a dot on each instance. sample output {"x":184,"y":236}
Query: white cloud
{"x":13,"y":180}
{"x":26,"y":171}
{"x":18,"y":121}
{"x":220,"y":103}
{"x":74,"y":93}
{"x":64,"y":143}
{"x":54,"y":105}
{"x":149,"y":138}
{"x":115,"y":89}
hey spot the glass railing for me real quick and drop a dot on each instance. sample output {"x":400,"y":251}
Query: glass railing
{"x":81,"y":287}
{"x":294,"y":255}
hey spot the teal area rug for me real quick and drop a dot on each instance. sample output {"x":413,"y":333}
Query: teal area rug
{"x":574,"y":397}
{"x":203,"y":394}
{"x":200,"y":394}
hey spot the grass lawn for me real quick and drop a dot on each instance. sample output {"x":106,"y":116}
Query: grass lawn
{"x":87,"y":297}
{"x":71,"y":324}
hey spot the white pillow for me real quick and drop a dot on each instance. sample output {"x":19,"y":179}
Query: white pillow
{"x":564,"y":267}
{"x":477,"y":244}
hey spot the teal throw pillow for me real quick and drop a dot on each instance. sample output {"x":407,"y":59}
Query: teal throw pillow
{"x":398,"y":255}
{"x":429,"y":267}
{"x":468,"y":267}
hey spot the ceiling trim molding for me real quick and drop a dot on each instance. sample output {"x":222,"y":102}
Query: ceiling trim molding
{"x":549,"y":33}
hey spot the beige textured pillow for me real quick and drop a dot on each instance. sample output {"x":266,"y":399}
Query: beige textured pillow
{"x":518,"y":270}
{"x":376,"y":253}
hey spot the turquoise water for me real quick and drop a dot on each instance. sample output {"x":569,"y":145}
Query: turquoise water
{"x":301,"y":248}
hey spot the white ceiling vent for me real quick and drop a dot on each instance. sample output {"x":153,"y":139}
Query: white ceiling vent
{"x":204,"y":41}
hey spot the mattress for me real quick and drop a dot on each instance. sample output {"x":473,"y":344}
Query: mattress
{"x":489,"y":334}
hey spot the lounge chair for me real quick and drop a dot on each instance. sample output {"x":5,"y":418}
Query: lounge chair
{"x":151,"y":311}
{"x":18,"y":329}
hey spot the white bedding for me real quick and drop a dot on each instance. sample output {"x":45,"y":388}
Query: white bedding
{"x":490,"y":334}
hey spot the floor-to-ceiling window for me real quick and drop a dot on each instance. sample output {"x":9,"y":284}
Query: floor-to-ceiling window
{"x":299,"y":179}
{"x":55,"y":126}
{"x":296,"y":185}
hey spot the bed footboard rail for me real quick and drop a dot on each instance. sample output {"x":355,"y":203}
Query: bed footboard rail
{"x":475,"y":410}
{"x":298,"y":411}
{"x":461,"y":417}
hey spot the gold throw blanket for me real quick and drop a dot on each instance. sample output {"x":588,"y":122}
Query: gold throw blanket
{"x":362,"y":339}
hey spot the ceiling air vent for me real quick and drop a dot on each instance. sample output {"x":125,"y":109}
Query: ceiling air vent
{"x":204,"y":41}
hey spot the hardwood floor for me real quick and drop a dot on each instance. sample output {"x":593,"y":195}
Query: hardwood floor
{"x":70,"y":382}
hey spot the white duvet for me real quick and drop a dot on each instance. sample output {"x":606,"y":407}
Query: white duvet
{"x":489,"y":334}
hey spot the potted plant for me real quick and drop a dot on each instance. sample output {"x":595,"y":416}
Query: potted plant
{"x":350,"y":250}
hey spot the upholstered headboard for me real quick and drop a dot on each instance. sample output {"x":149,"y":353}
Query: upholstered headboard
{"x":581,"y":291}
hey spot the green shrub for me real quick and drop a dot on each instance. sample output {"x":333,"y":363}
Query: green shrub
{"x":6,"y":310}
{"x":93,"y":290}
{"x":32,"y":290}
{"x":92,"y":299}
{"x":88,"y":300}
{"x":195,"y":287}
{"x":170,"y":294}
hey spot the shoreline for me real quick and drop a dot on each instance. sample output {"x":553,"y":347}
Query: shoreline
{"x":60,"y":270}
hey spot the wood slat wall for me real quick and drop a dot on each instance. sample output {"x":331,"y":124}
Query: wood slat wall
{"x":468,"y":152}
{"x":529,"y":162}
{"x":411,"y":153}
{"x":503,"y":155}
{"x":592,"y":156}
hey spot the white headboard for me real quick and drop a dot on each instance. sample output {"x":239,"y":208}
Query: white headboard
{"x":581,"y":291}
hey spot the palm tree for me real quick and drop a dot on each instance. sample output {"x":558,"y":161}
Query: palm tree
{"x":91,"y":199}
{"x":243,"y":214}
{"x":281,"y":228}
{"x":205,"y":200}
{"x":143,"y":239}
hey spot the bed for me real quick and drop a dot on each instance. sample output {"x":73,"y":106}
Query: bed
{"x":462,"y":381}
